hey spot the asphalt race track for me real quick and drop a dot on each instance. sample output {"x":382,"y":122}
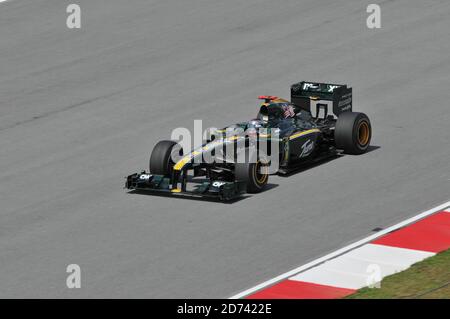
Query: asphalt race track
{"x":81,"y":109}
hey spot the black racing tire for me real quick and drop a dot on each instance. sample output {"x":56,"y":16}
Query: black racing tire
{"x":255,"y":175}
{"x":353,"y":133}
{"x":161,"y":160}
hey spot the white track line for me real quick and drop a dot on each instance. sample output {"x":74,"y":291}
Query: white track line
{"x":340,"y":251}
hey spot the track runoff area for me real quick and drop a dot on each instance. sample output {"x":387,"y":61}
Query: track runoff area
{"x":364,"y":263}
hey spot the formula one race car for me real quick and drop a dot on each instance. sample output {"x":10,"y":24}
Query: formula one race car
{"x":316,"y":124}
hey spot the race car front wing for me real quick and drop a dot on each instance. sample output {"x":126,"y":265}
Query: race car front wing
{"x":159,"y":184}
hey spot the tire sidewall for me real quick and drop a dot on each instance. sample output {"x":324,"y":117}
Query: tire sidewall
{"x":248,"y":172}
{"x":347,"y":132}
{"x":362,"y":118}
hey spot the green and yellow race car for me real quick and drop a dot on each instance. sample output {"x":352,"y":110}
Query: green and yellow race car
{"x":317,"y":123}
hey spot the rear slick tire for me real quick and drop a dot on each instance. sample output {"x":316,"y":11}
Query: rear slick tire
{"x":353,"y":133}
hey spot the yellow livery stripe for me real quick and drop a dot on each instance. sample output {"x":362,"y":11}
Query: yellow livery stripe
{"x":180,"y":164}
{"x":232,"y":138}
{"x":296,"y":135}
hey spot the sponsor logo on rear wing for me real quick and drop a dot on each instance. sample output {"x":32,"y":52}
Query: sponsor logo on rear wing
{"x":319,"y":87}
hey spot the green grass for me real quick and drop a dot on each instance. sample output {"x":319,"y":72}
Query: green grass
{"x":429,"y":278}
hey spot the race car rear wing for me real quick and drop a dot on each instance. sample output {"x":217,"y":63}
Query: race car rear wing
{"x":322,"y":99}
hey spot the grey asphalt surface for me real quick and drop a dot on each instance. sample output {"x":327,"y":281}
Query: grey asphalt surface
{"x":81,"y":109}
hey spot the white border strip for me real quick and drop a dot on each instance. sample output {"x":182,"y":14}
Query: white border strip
{"x":340,"y":251}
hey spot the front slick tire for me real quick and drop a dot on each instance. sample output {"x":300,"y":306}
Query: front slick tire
{"x":254,"y":174}
{"x":161,"y":160}
{"x":353,"y":132}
